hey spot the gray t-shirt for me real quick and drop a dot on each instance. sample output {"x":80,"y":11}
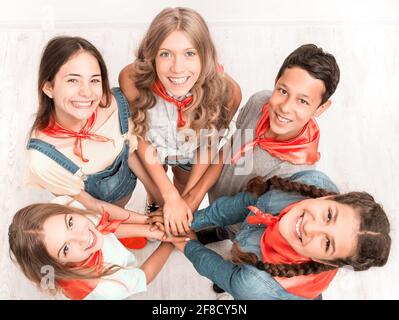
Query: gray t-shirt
{"x":256,"y":161}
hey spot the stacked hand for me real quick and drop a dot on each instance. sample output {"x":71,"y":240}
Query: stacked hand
{"x":156,"y":219}
{"x":177,"y":216}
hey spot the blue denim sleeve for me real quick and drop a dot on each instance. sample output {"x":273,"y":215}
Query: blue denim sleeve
{"x":275,"y":200}
{"x":242,"y":281}
{"x":224,"y":211}
{"x":315,"y":178}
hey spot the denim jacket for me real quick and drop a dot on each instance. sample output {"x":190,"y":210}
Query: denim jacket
{"x":243,"y":281}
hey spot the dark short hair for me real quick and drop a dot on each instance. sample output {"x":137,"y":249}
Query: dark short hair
{"x":319,"y":64}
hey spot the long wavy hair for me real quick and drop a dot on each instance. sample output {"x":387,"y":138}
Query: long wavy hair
{"x":27,"y":248}
{"x":56,"y":53}
{"x":211,"y":93}
{"x":373,"y":241}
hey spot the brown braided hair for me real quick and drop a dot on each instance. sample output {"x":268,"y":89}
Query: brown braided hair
{"x":373,"y":243}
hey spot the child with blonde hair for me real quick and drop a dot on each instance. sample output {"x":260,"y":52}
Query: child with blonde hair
{"x":177,"y":87}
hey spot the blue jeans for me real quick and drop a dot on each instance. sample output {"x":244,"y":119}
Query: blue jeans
{"x":115,"y":182}
{"x":243,"y":281}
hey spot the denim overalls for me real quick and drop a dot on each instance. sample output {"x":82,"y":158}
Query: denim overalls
{"x":114,"y":182}
{"x":244,"y":281}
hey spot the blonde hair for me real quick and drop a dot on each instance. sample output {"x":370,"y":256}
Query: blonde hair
{"x":211,"y":93}
{"x":29,"y":251}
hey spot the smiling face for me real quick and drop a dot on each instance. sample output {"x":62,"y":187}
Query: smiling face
{"x":76,"y":90}
{"x":321,"y":229}
{"x":178,"y":64}
{"x":295,"y":100}
{"x":71,"y":238}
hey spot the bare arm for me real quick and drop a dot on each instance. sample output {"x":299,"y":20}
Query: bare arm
{"x":146,"y":231}
{"x":206,"y":174}
{"x":203,"y":160}
{"x":196,"y":194}
{"x":153,"y":265}
{"x":236,"y":96}
{"x":126,"y":83}
{"x":177,"y":213}
{"x":196,"y":174}
{"x":139,"y":170}
{"x":180,"y":245}
{"x":115,"y":212}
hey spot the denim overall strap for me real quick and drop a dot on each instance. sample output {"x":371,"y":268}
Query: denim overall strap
{"x":117,"y":180}
{"x":50,"y":151}
{"x":123,"y":108}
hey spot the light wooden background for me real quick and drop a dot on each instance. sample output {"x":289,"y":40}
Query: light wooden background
{"x":360,"y":132}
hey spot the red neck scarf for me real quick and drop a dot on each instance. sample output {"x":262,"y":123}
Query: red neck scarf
{"x":299,"y":150}
{"x":159,"y":90}
{"x":276,"y":250}
{"x":57,"y":131}
{"x":78,"y":289}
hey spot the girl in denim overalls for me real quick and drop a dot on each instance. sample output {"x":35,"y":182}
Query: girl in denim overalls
{"x":81,"y":143}
{"x":290,"y":246}
{"x":177,"y":88}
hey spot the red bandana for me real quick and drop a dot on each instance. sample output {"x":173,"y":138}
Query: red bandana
{"x":276,"y":250}
{"x":299,"y":150}
{"x":57,"y":131}
{"x":159,"y":90}
{"x":78,"y":289}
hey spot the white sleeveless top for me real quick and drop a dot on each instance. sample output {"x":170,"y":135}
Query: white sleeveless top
{"x":170,"y":142}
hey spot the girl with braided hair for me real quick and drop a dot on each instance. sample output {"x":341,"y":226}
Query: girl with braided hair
{"x":293,"y":238}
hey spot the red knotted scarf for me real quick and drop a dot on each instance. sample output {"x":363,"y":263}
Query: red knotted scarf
{"x":299,"y":150}
{"x":57,"y":131}
{"x":78,"y":289}
{"x":276,"y":250}
{"x":159,"y":90}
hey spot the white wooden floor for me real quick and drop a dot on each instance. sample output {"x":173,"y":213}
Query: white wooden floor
{"x":359,"y":133}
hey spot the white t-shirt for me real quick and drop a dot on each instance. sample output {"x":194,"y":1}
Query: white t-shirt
{"x":126,"y":281}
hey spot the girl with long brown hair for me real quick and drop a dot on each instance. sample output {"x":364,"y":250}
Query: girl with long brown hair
{"x":293,"y":238}
{"x":65,"y":248}
{"x":176,"y":88}
{"x":81,"y":142}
